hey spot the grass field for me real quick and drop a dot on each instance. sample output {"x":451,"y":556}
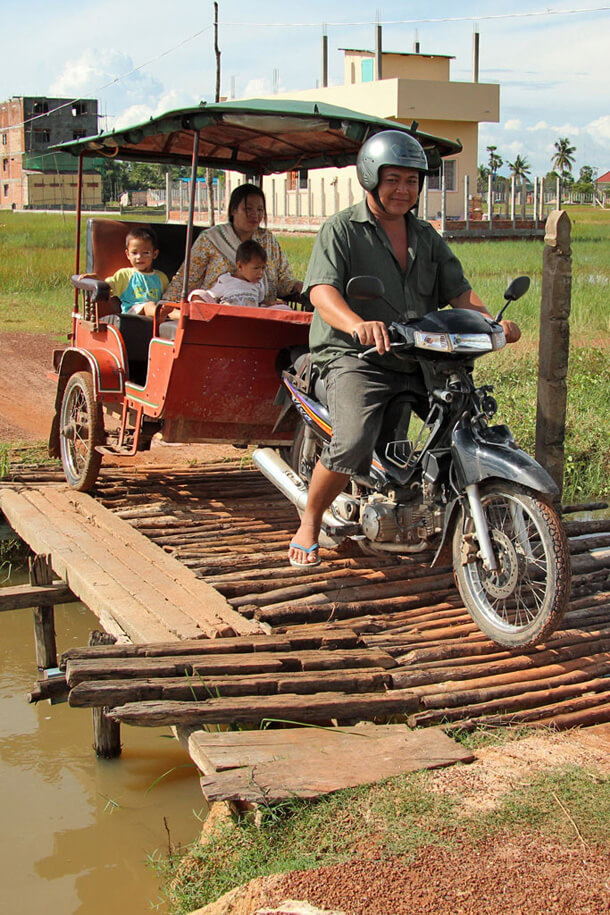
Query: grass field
{"x":36,"y":296}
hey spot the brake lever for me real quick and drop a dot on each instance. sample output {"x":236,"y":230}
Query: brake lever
{"x":373,"y":349}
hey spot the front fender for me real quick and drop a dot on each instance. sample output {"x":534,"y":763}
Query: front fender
{"x":493,"y":453}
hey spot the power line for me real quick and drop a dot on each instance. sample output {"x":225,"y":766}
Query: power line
{"x":546,"y":12}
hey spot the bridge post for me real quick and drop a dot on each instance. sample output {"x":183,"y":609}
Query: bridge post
{"x":106,"y":732}
{"x":554,"y":345}
{"x":41,"y":573}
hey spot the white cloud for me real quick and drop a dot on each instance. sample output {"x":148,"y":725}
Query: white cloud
{"x":258,"y":86}
{"x":541,"y":125}
{"x":600,"y":129}
{"x":514,"y":124}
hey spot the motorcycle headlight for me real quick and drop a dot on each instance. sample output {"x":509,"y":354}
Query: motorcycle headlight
{"x":454,"y":343}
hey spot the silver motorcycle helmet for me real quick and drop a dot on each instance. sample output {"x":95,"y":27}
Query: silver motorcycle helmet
{"x":389,"y":147}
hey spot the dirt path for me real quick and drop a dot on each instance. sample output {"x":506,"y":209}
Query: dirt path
{"x":27,"y":402}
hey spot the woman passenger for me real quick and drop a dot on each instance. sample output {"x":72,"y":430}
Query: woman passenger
{"x":213,"y":252}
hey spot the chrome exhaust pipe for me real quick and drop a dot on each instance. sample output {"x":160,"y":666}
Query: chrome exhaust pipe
{"x":343,"y":511}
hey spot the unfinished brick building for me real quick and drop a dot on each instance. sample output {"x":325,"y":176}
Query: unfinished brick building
{"x":31,"y":177}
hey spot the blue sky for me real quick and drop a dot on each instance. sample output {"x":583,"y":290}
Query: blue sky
{"x":553,"y":69}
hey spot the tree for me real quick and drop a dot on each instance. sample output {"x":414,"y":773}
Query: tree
{"x":482,"y":177}
{"x":495,"y":161}
{"x":521,"y":168}
{"x":563,"y":158}
{"x":114,"y":178}
{"x":586,"y":181}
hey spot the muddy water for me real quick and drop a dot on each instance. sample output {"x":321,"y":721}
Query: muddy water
{"x":77,"y":831}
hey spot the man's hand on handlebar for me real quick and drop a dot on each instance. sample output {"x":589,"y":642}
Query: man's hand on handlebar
{"x":372,"y":333}
{"x":512,"y":331}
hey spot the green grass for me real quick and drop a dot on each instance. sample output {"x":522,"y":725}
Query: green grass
{"x":399,"y":816}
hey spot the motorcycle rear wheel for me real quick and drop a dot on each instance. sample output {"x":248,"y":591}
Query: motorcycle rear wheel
{"x":523,"y":601}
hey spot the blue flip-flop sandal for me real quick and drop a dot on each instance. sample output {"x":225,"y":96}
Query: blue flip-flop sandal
{"x":308,"y":550}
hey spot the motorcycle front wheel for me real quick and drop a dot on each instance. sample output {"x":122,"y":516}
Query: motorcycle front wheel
{"x":523,"y":601}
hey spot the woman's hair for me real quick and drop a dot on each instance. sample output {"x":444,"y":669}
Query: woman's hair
{"x":248,"y":250}
{"x":242,"y":192}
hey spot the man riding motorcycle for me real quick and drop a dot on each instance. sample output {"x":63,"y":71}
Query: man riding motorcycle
{"x":379,"y":236}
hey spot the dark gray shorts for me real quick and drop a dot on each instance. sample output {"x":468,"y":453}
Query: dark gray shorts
{"x":358,"y":394}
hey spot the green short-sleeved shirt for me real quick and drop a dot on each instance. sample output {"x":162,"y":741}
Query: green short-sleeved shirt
{"x":353,"y":243}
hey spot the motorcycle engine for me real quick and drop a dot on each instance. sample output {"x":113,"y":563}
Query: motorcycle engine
{"x":384,"y":521}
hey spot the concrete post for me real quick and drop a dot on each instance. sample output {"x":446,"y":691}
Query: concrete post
{"x":490,"y":199}
{"x":467,"y":200}
{"x":512,"y":200}
{"x":535,"y":207}
{"x":424,"y":199}
{"x":443,"y":200}
{"x":554,"y":345}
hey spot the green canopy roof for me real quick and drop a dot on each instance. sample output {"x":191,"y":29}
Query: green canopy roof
{"x":257,"y":136}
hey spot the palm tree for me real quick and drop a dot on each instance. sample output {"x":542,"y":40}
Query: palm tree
{"x":521,"y":168}
{"x":563,"y":160}
{"x":495,"y":161}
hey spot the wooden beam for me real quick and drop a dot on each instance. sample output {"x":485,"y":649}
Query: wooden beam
{"x":20,"y":597}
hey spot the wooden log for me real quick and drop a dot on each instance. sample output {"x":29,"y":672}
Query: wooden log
{"x":106,"y":732}
{"x":41,"y":573}
{"x":49,"y":688}
{"x":91,"y":693}
{"x":20,"y":597}
{"x":451,"y":698}
{"x":514,"y":703}
{"x":404,"y":677}
{"x":215,"y":665}
{"x":323,"y":638}
{"x":599,"y":714}
{"x":286,"y":708}
{"x":596,"y":703}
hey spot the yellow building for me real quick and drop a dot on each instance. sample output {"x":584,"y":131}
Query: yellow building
{"x":413,"y":87}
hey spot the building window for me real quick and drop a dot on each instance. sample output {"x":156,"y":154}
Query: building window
{"x":6,"y":190}
{"x":5,"y":165}
{"x":41,"y":107}
{"x":297,"y":180}
{"x":42,"y":136}
{"x":4,"y":139}
{"x":79,"y":109}
{"x":450,"y":169}
{"x":367,"y":70}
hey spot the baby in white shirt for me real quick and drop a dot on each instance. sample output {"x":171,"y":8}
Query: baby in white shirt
{"x":246,"y":285}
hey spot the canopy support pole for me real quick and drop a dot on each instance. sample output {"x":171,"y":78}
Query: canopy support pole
{"x":191,"y":216}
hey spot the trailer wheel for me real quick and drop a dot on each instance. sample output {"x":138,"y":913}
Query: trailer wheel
{"x":81,"y":428}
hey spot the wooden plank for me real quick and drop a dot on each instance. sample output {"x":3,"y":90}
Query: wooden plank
{"x":202,"y":595}
{"x":20,"y":597}
{"x":268,"y":766}
{"x":90,"y":584}
{"x":91,"y":694}
{"x":320,"y":639}
{"x":287,"y":708}
{"x":78,"y":670}
{"x":113,"y":556}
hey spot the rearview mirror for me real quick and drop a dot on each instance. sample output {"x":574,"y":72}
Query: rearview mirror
{"x":517,"y":288}
{"x":365,"y":287}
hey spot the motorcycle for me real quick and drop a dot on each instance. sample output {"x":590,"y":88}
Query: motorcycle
{"x":456,"y":479}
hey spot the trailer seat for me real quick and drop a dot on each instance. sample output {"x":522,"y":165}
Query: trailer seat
{"x":136,"y":331}
{"x":106,"y":245}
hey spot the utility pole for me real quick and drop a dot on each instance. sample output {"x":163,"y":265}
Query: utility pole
{"x":209,"y":177}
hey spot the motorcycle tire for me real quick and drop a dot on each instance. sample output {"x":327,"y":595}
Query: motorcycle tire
{"x":523,"y":601}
